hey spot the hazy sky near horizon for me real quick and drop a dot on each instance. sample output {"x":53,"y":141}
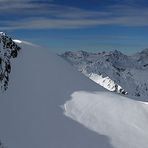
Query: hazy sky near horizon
{"x":93,"y":25}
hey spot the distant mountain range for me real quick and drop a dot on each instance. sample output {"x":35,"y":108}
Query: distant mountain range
{"x":114,"y":70}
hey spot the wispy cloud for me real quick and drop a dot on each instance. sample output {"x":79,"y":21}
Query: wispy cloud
{"x":31,"y":14}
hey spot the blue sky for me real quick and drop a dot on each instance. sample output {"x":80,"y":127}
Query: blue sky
{"x":93,"y":25}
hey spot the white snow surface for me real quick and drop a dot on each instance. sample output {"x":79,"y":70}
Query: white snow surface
{"x":17,"y":41}
{"x":106,"y":82}
{"x":31,"y":115}
{"x":123,"y":120}
{"x":30,"y":112}
{"x":25,"y":42}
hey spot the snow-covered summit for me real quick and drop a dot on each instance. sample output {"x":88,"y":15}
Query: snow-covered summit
{"x":114,"y":70}
{"x":145,"y":51}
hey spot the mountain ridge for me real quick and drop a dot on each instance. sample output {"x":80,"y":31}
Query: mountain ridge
{"x":121,"y":72}
{"x":51,"y":105}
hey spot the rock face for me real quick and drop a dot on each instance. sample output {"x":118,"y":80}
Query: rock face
{"x":8,"y":50}
{"x":114,"y":70}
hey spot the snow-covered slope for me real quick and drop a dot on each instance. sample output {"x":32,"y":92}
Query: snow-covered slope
{"x":114,"y":70}
{"x":30,"y":112}
{"x":123,"y":120}
{"x":40,"y":88}
{"x":107,"y":83}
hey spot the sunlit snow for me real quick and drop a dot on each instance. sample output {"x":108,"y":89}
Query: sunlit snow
{"x":123,"y":120}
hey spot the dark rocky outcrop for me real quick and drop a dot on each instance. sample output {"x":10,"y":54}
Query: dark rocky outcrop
{"x":8,"y":50}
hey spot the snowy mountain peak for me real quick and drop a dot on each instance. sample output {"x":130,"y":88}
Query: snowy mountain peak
{"x":145,"y":51}
{"x":114,"y":70}
{"x":116,"y":52}
{"x":117,"y":55}
{"x":8,"y":50}
{"x":78,"y":54}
